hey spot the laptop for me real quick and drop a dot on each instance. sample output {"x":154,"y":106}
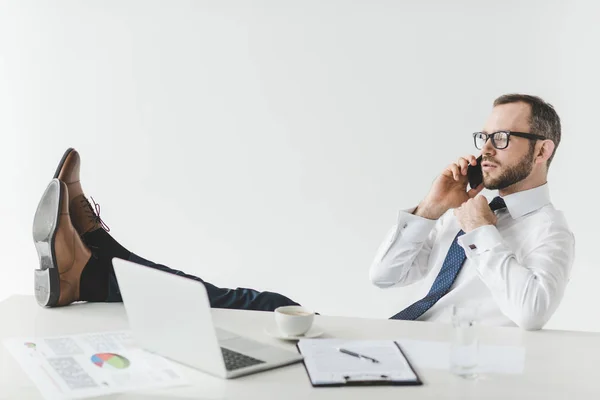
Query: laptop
{"x":170,"y":315}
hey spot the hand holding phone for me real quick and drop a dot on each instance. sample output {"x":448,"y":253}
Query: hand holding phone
{"x":449,"y":189}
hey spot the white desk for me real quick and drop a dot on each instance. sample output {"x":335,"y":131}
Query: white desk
{"x":559,"y":365}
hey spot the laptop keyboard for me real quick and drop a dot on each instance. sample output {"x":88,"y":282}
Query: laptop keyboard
{"x":235,"y":360}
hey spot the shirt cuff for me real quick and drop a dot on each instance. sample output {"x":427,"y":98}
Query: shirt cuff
{"x":412,"y":227}
{"x":480,"y":240}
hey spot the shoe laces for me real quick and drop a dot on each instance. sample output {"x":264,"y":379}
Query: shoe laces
{"x":94,"y":213}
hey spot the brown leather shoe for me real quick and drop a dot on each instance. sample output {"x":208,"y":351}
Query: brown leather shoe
{"x":83,"y":217}
{"x":62,"y":254}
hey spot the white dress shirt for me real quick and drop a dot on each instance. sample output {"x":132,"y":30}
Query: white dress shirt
{"x":516,"y":271}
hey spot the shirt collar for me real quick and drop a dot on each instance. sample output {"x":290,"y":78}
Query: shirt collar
{"x":526,"y":201}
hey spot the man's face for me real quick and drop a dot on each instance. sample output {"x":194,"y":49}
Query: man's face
{"x":503,"y":168}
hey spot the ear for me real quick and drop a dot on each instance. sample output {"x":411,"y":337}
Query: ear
{"x":544,"y":150}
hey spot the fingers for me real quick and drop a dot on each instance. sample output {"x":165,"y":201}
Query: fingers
{"x":474,"y":199}
{"x":464,"y":162}
{"x":460,"y":167}
{"x":455,"y":171}
{"x":494,"y":219}
{"x":482,"y":200}
{"x":474,"y":192}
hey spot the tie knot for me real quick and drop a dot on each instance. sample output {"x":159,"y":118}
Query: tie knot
{"x":497,"y":203}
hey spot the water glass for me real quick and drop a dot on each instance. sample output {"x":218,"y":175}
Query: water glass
{"x":464,"y":348}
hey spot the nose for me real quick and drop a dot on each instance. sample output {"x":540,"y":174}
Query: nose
{"x":488,"y":147}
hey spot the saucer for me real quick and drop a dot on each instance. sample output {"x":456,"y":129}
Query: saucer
{"x":313,"y":332}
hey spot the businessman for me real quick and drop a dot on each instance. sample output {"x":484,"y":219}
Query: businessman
{"x":518,"y":257}
{"x":512,"y":257}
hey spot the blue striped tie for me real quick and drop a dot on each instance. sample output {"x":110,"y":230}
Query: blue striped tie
{"x":446,"y":277}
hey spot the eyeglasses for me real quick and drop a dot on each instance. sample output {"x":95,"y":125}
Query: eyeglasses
{"x":500,"y":139}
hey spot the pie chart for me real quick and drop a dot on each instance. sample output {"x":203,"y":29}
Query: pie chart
{"x":111,"y":360}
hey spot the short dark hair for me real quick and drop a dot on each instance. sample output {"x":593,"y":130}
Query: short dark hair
{"x":543,"y":119}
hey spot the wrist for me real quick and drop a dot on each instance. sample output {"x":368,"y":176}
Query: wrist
{"x":429,"y":211}
{"x":476,"y":224}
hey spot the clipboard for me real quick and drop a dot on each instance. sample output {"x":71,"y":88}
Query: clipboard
{"x":326,"y":366}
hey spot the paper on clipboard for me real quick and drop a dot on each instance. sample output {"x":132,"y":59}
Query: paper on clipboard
{"x":326,"y":365}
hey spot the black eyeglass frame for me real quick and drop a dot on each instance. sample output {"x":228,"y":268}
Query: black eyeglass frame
{"x":530,"y":136}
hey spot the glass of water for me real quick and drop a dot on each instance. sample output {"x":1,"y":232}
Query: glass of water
{"x":464,"y":348}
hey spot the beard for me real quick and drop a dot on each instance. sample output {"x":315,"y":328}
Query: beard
{"x":513,"y":174}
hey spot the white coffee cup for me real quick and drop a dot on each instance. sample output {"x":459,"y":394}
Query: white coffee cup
{"x":294,"y":320}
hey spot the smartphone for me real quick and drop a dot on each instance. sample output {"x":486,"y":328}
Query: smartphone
{"x":475,"y":174}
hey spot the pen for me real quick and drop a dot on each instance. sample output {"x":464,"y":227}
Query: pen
{"x":353,"y":354}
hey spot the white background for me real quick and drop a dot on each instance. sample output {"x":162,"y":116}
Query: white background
{"x":270,"y":144}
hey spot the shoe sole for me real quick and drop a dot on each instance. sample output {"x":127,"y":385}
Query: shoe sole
{"x":45,"y":225}
{"x":62,"y":162}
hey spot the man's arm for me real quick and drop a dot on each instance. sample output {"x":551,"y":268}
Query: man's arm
{"x":528,"y":292}
{"x":403,"y":257}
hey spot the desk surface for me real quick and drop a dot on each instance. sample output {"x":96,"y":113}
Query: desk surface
{"x":558,"y":364}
